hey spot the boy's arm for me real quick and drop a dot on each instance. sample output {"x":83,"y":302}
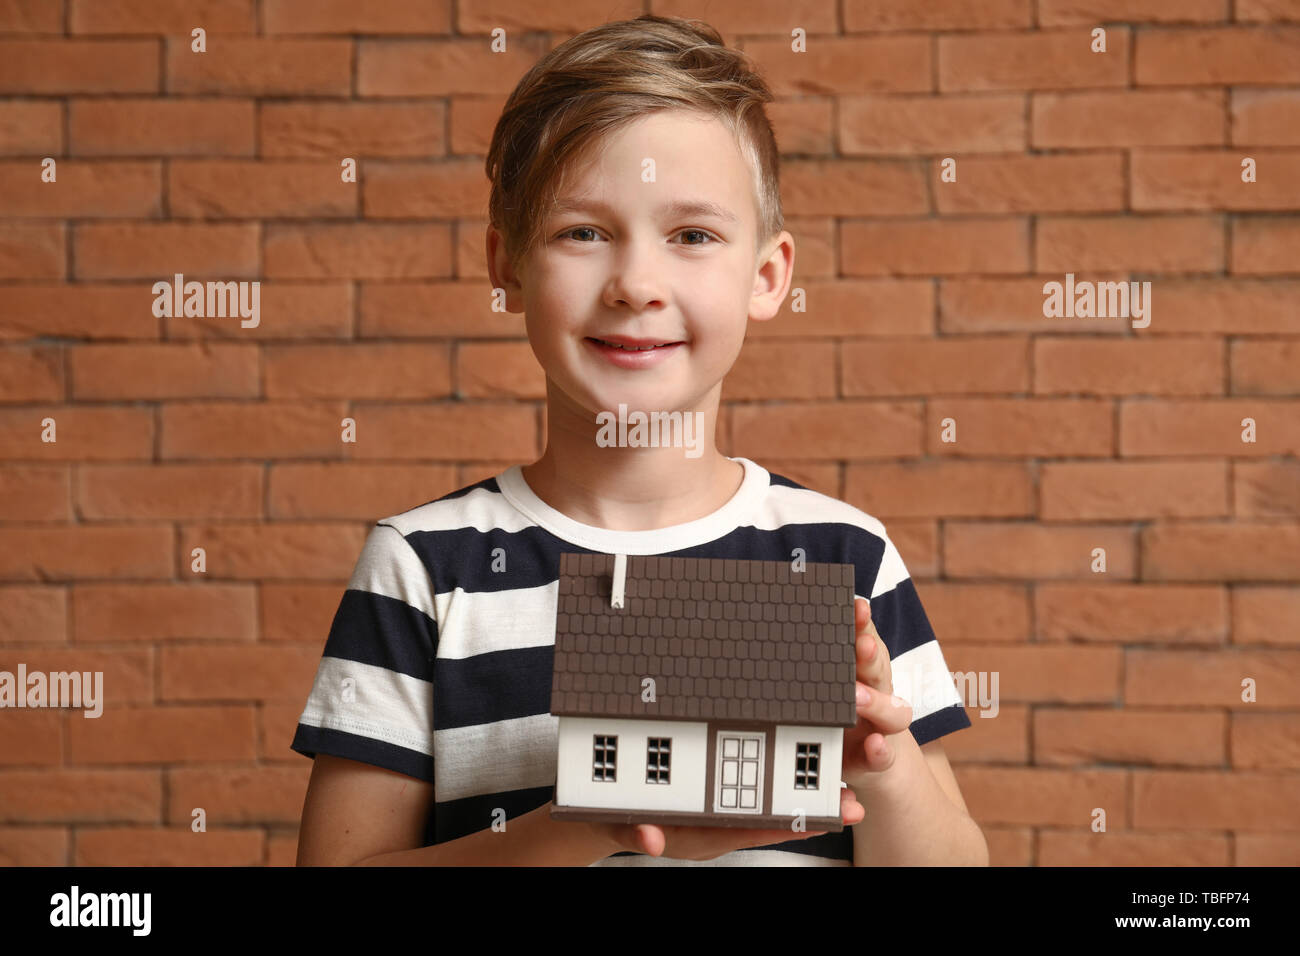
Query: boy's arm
{"x":356,"y":814}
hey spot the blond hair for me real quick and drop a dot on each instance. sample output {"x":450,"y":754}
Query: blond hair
{"x":600,"y":81}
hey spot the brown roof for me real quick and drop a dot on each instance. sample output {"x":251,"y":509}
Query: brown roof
{"x":723,"y":639}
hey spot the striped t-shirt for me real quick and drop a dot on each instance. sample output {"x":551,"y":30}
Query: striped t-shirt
{"x":438,"y":663}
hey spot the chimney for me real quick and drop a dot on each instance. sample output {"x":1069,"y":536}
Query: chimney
{"x":620,"y":577}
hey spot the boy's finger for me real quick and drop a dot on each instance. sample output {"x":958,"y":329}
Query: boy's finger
{"x":889,"y":714}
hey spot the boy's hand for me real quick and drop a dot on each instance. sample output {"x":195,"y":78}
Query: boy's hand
{"x":867,"y":749}
{"x":705,"y":843}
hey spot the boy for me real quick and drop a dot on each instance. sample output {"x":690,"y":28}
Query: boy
{"x":429,"y":717}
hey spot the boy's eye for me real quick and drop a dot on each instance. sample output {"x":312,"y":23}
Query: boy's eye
{"x":570,"y":233}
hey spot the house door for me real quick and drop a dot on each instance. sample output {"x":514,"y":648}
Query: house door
{"x":739,"y":773}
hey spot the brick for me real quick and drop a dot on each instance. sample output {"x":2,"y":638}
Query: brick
{"x":854,"y":187}
{"x":434,"y":310}
{"x":931,"y":125}
{"x":935,"y":247}
{"x":163,"y":491}
{"x":33,"y":846}
{"x":283,"y":549}
{"x":1033,"y":673}
{"x":886,"y":367}
{"x":1265,"y":246}
{"x":261,"y":430}
{"x":984,"y":613}
{"x":260,"y":672}
{"x":1014,"y":305}
{"x":1148,"y":244}
{"x":33,"y":614}
{"x":288,"y":311}
{"x":1179,"y":427}
{"x":1127,"y":118}
{"x":1177,"y":179}
{"x":864,"y":64}
{"x":1265,"y":615}
{"x":918,"y":541}
{"x":1237,"y":307}
{"x":128,"y":674}
{"x":31,"y":374}
{"x":1108,"y":490}
{"x":510,"y":369}
{"x":84,"y":190}
{"x":342,"y":16}
{"x":1064,"y":183}
{"x":173,"y":846}
{"x":1244,"y":551}
{"x":77,"y":796}
{"x":139,"y":126}
{"x":801,"y":125}
{"x":1042,"y":797}
{"x":442,"y":190}
{"x":448,"y":431}
{"x":31,"y":128}
{"x":62,"y":66}
{"x":282,"y":849}
{"x":1265,"y":741}
{"x":1180,"y":678}
{"x":86,"y":310}
{"x":357,"y":371}
{"x":1043,"y":59}
{"x":1081,"y":847}
{"x":51,"y":553}
{"x":258,"y":795}
{"x":255,"y":189}
{"x":441,"y":67}
{"x":260,"y":66}
{"x":156,"y":251}
{"x":31,"y":738}
{"x":161,"y":16}
{"x":360,"y":130}
{"x":348,"y":490}
{"x":276,"y":726}
{"x":1074,"y":736}
{"x":856,"y":429}
{"x":1131,"y":613}
{"x":1012,"y":427}
{"x":1205,"y":800}
{"x":578,"y":15}
{"x":357,"y":251}
{"x":163,"y":371}
{"x":32,"y":251}
{"x":1128,"y":367}
{"x":156,"y":735}
{"x":474,"y":118}
{"x":1009,"y":846}
{"x":923,"y":489}
{"x":1267,"y":849}
{"x":1266,"y":489}
{"x":1267,"y":10}
{"x":161,"y":612}
{"x":84,"y":434}
{"x":31,"y":16}
{"x":864,"y":15}
{"x":855,"y":307}
{"x":772,"y":369}
{"x":300,"y":612}
{"x":1057,"y":12}
{"x":36,"y":493}
{"x":1265,"y":117}
{"x":1227,"y":56}
{"x":1004,"y":550}
{"x":1000,"y":739}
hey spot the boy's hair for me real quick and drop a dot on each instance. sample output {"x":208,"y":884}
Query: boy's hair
{"x":604,"y":79}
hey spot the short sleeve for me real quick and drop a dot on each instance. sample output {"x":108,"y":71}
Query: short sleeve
{"x":920,"y":674}
{"x":372,"y":697}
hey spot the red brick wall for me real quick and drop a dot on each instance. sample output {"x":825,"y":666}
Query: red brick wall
{"x":1120,"y":691}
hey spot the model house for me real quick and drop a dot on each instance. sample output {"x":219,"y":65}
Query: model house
{"x":700,"y":691}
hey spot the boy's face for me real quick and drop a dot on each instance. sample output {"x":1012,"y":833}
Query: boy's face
{"x":618,"y":260}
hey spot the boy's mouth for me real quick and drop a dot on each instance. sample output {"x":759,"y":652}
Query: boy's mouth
{"x":631,"y":345}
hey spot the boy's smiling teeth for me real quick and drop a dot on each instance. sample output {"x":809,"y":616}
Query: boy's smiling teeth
{"x":631,"y":348}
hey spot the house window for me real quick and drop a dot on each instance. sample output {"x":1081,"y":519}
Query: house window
{"x":658,"y":756}
{"x":807,"y":757}
{"x":606,"y":750}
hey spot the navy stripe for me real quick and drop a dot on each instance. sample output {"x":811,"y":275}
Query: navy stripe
{"x":941,"y":722}
{"x":453,"y":819}
{"x":309,"y":741}
{"x":376,"y":629}
{"x":900,"y":618}
{"x":497,"y":685}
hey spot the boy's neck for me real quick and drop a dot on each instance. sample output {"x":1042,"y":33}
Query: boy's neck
{"x":634,"y":489}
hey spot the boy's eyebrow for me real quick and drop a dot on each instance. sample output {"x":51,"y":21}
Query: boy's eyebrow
{"x":680,"y":207}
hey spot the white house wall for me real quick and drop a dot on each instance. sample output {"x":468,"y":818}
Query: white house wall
{"x":629,"y":791}
{"x":822,"y":802}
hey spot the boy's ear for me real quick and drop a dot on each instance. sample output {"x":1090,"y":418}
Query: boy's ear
{"x":501,"y":271}
{"x":772,"y":280}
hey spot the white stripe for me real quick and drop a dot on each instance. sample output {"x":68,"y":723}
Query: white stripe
{"x":922,"y":679}
{"x":388,"y":566}
{"x":504,"y":755}
{"x":387,"y":705}
{"x":475,"y":622}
